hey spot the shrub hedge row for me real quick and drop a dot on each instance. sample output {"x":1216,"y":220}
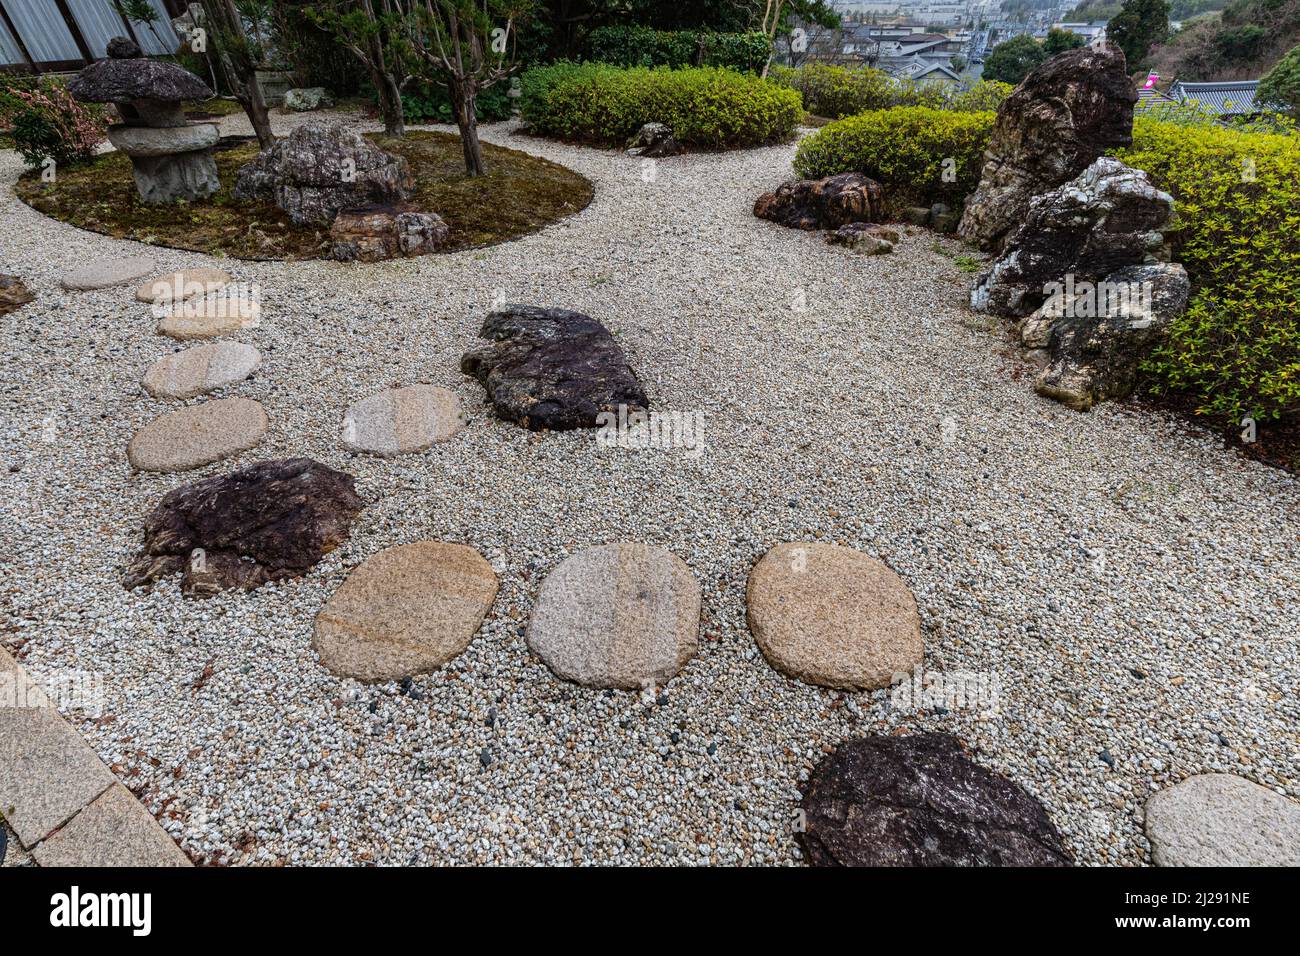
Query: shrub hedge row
{"x":904,"y":149}
{"x":1236,"y":349}
{"x":707,"y":107}
{"x":642,"y":46}
{"x":836,"y":91}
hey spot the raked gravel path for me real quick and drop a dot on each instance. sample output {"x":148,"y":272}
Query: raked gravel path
{"x":1063,"y":554}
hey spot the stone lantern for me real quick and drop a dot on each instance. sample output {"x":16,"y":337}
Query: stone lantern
{"x":171,"y":157}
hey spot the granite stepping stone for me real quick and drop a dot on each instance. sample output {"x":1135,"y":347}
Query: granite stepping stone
{"x":402,"y":420}
{"x":832,"y":616}
{"x":197,"y":435}
{"x":104,"y":273}
{"x":407,"y":610}
{"x":1218,"y":819}
{"x":210,"y":316}
{"x":193,"y":371}
{"x":182,"y":285}
{"x":623,"y":615}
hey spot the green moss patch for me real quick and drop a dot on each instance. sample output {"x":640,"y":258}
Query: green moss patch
{"x":520,"y":194}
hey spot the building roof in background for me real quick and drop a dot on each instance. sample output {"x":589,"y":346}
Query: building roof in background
{"x":1228,"y":98}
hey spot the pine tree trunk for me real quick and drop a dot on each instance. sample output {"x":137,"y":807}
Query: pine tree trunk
{"x":463,"y":94}
{"x":390,"y":104}
{"x":255,"y":106}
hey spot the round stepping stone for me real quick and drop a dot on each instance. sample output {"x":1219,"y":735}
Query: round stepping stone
{"x":407,"y":610}
{"x":621,"y":615}
{"x":201,"y":369}
{"x":402,"y":420}
{"x":210,"y":316}
{"x":832,"y":616}
{"x":182,"y":285}
{"x":1218,"y":819}
{"x":104,"y":273}
{"x":197,"y":435}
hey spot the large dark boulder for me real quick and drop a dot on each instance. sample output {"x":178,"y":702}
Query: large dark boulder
{"x":1093,"y":339}
{"x":1108,"y":217}
{"x":267,"y":522}
{"x":1061,"y":117}
{"x":320,"y":169}
{"x":552,"y":368}
{"x":919,"y":801}
{"x":823,"y":203}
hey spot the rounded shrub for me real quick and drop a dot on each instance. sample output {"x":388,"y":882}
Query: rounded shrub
{"x":836,"y":91}
{"x":919,"y":154}
{"x":706,"y":107}
{"x":1236,"y":229}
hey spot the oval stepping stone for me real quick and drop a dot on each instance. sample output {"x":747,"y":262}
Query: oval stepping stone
{"x":833,"y":616}
{"x":210,"y":316}
{"x":104,"y":273}
{"x":1218,"y":819}
{"x":182,"y":285}
{"x":621,"y":615}
{"x":201,"y":369}
{"x":402,"y":420}
{"x":406,"y":610}
{"x":197,"y":435}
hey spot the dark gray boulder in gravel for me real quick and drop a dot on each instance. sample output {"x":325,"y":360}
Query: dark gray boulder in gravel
{"x":919,"y":801}
{"x":654,"y":140}
{"x":552,"y":368}
{"x":270,"y":521}
{"x":823,"y":203}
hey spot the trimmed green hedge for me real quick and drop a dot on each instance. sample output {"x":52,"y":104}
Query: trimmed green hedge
{"x":642,"y":46}
{"x":1237,"y":231}
{"x":903,"y":149}
{"x":706,"y":107}
{"x":836,"y":91}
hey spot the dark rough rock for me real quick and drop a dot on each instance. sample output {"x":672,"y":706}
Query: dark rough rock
{"x":320,"y":169}
{"x":1061,"y":117}
{"x":14,"y":294}
{"x":552,"y":368}
{"x":372,"y":233}
{"x":916,"y":215}
{"x":1107,"y":218}
{"x":919,"y":801}
{"x":864,"y":237}
{"x":654,"y":140}
{"x":127,"y":75}
{"x":270,"y":521}
{"x":1095,"y":339}
{"x":823,"y":203}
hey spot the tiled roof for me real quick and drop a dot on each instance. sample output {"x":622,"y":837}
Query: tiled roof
{"x":1233,"y":98}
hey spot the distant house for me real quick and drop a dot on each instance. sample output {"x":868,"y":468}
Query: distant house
{"x":922,"y":70}
{"x":1230,"y":98}
{"x":41,"y":36}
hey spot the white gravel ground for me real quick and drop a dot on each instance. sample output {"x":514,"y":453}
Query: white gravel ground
{"x":1061,"y":554}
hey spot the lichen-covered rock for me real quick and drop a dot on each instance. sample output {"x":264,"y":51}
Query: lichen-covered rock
{"x":373,"y":233}
{"x":864,"y":237}
{"x":1108,"y":217}
{"x":304,"y":99}
{"x":267,"y":522}
{"x":552,"y":368}
{"x":320,"y":169}
{"x":919,"y":801}
{"x":1096,"y":338}
{"x":823,"y":203}
{"x":1062,"y":116}
{"x":654,"y":140}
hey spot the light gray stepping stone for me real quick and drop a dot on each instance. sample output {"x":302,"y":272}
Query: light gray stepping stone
{"x":200,"y":369}
{"x":182,"y":285}
{"x":1219,"y":819}
{"x":832,"y":616}
{"x":621,"y":615}
{"x":402,"y":420}
{"x":197,"y":435}
{"x":115,"y":830}
{"x":103,"y":273}
{"x":222,"y":313}
{"x":407,"y":610}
